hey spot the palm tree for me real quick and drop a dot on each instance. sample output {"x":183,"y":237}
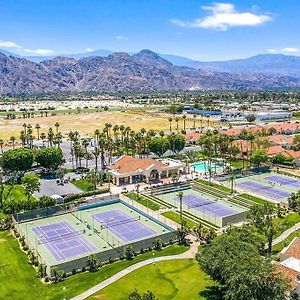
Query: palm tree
{"x":180,"y":196}
{"x":50,"y":137}
{"x":170,"y":123}
{"x":207,"y":118}
{"x":183,"y":118}
{"x":13,"y":139}
{"x":1,"y":145}
{"x":177,"y":120}
{"x":96,"y":154}
{"x":24,"y":127}
{"x":43,"y":137}
{"x":194,"y":121}
{"x":201,"y":123}
{"x":56,"y":126}
{"x":38,"y":127}
{"x":85,"y":144}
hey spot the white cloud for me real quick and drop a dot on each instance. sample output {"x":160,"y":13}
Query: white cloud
{"x":272,"y":51}
{"x":222,"y":16}
{"x":121,"y":37}
{"x":290,"y":50}
{"x":39,"y":51}
{"x":8,"y":44}
{"x":89,"y":50}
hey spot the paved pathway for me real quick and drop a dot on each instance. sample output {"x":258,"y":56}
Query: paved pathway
{"x":285,"y":234}
{"x":188,"y":254}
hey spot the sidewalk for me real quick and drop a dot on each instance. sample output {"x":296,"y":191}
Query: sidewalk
{"x":188,"y":254}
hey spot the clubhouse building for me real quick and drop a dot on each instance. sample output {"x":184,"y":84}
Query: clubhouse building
{"x":130,"y":170}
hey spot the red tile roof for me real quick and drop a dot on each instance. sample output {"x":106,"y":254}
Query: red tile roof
{"x":193,"y":137}
{"x":274,"y":150}
{"x":280,"y":139}
{"x":129,"y":164}
{"x":288,"y":273}
{"x":293,"y":250}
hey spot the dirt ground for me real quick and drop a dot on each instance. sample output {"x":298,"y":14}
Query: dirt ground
{"x":86,"y":123}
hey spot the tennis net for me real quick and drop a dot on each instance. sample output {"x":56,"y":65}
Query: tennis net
{"x":45,"y":240}
{"x":109,"y":223}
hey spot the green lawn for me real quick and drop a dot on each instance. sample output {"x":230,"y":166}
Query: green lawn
{"x":143,"y":201}
{"x":215,"y":185}
{"x":287,"y":222}
{"x":180,"y":279}
{"x":174,"y":216}
{"x":254,"y":199}
{"x":15,"y":192}
{"x":18,"y":278}
{"x":277,"y":248}
{"x":237,"y":164}
{"x":84,"y":184}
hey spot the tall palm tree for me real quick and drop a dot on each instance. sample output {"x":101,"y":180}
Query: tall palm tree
{"x":207,"y":118}
{"x":201,"y":123}
{"x":96,"y":154}
{"x":24,"y":128}
{"x":177,"y":120}
{"x":184,"y":118}
{"x":194,"y":121}
{"x":180,"y":196}
{"x":1,"y":145}
{"x":13,"y":139}
{"x":170,"y":123}
{"x":43,"y":137}
{"x":50,"y":137}
{"x":38,"y":127}
{"x":56,"y":126}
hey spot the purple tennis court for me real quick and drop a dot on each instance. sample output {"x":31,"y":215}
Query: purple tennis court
{"x":123,"y":225}
{"x":263,"y":190}
{"x":281,"y":180}
{"x":206,"y":206}
{"x":63,"y":241}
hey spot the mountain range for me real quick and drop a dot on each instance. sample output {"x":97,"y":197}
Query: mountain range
{"x":103,"y":70}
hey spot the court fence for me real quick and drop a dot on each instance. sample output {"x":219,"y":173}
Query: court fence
{"x":106,"y":256}
{"x":111,"y":255}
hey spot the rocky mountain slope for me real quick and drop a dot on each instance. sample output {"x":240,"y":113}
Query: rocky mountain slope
{"x":120,"y":71}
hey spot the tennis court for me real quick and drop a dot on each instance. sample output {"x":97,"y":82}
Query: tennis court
{"x":202,"y":205}
{"x":270,"y":186}
{"x":123,"y":225}
{"x":284,"y":180}
{"x":66,"y":240}
{"x":263,"y":190}
{"x":120,"y":224}
{"x":63,"y":241}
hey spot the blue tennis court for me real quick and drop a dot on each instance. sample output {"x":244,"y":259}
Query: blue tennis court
{"x":282,"y":180}
{"x":62,"y":240}
{"x":207,"y":206}
{"x":122,"y":225}
{"x":264,"y":190}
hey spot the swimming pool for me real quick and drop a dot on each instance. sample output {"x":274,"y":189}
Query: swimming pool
{"x":202,"y":166}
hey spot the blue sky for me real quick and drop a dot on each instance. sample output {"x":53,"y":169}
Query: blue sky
{"x":202,"y":30}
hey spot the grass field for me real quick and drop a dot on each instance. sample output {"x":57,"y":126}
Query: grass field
{"x":254,"y":199}
{"x":215,"y":185}
{"x":143,"y":201}
{"x":180,"y":279}
{"x":84,"y":184}
{"x":286,"y":222}
{"x":174,"y":216}
{"x":86,"y":123}
{"x":277,"y":248}
{"x":18,"y":278}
